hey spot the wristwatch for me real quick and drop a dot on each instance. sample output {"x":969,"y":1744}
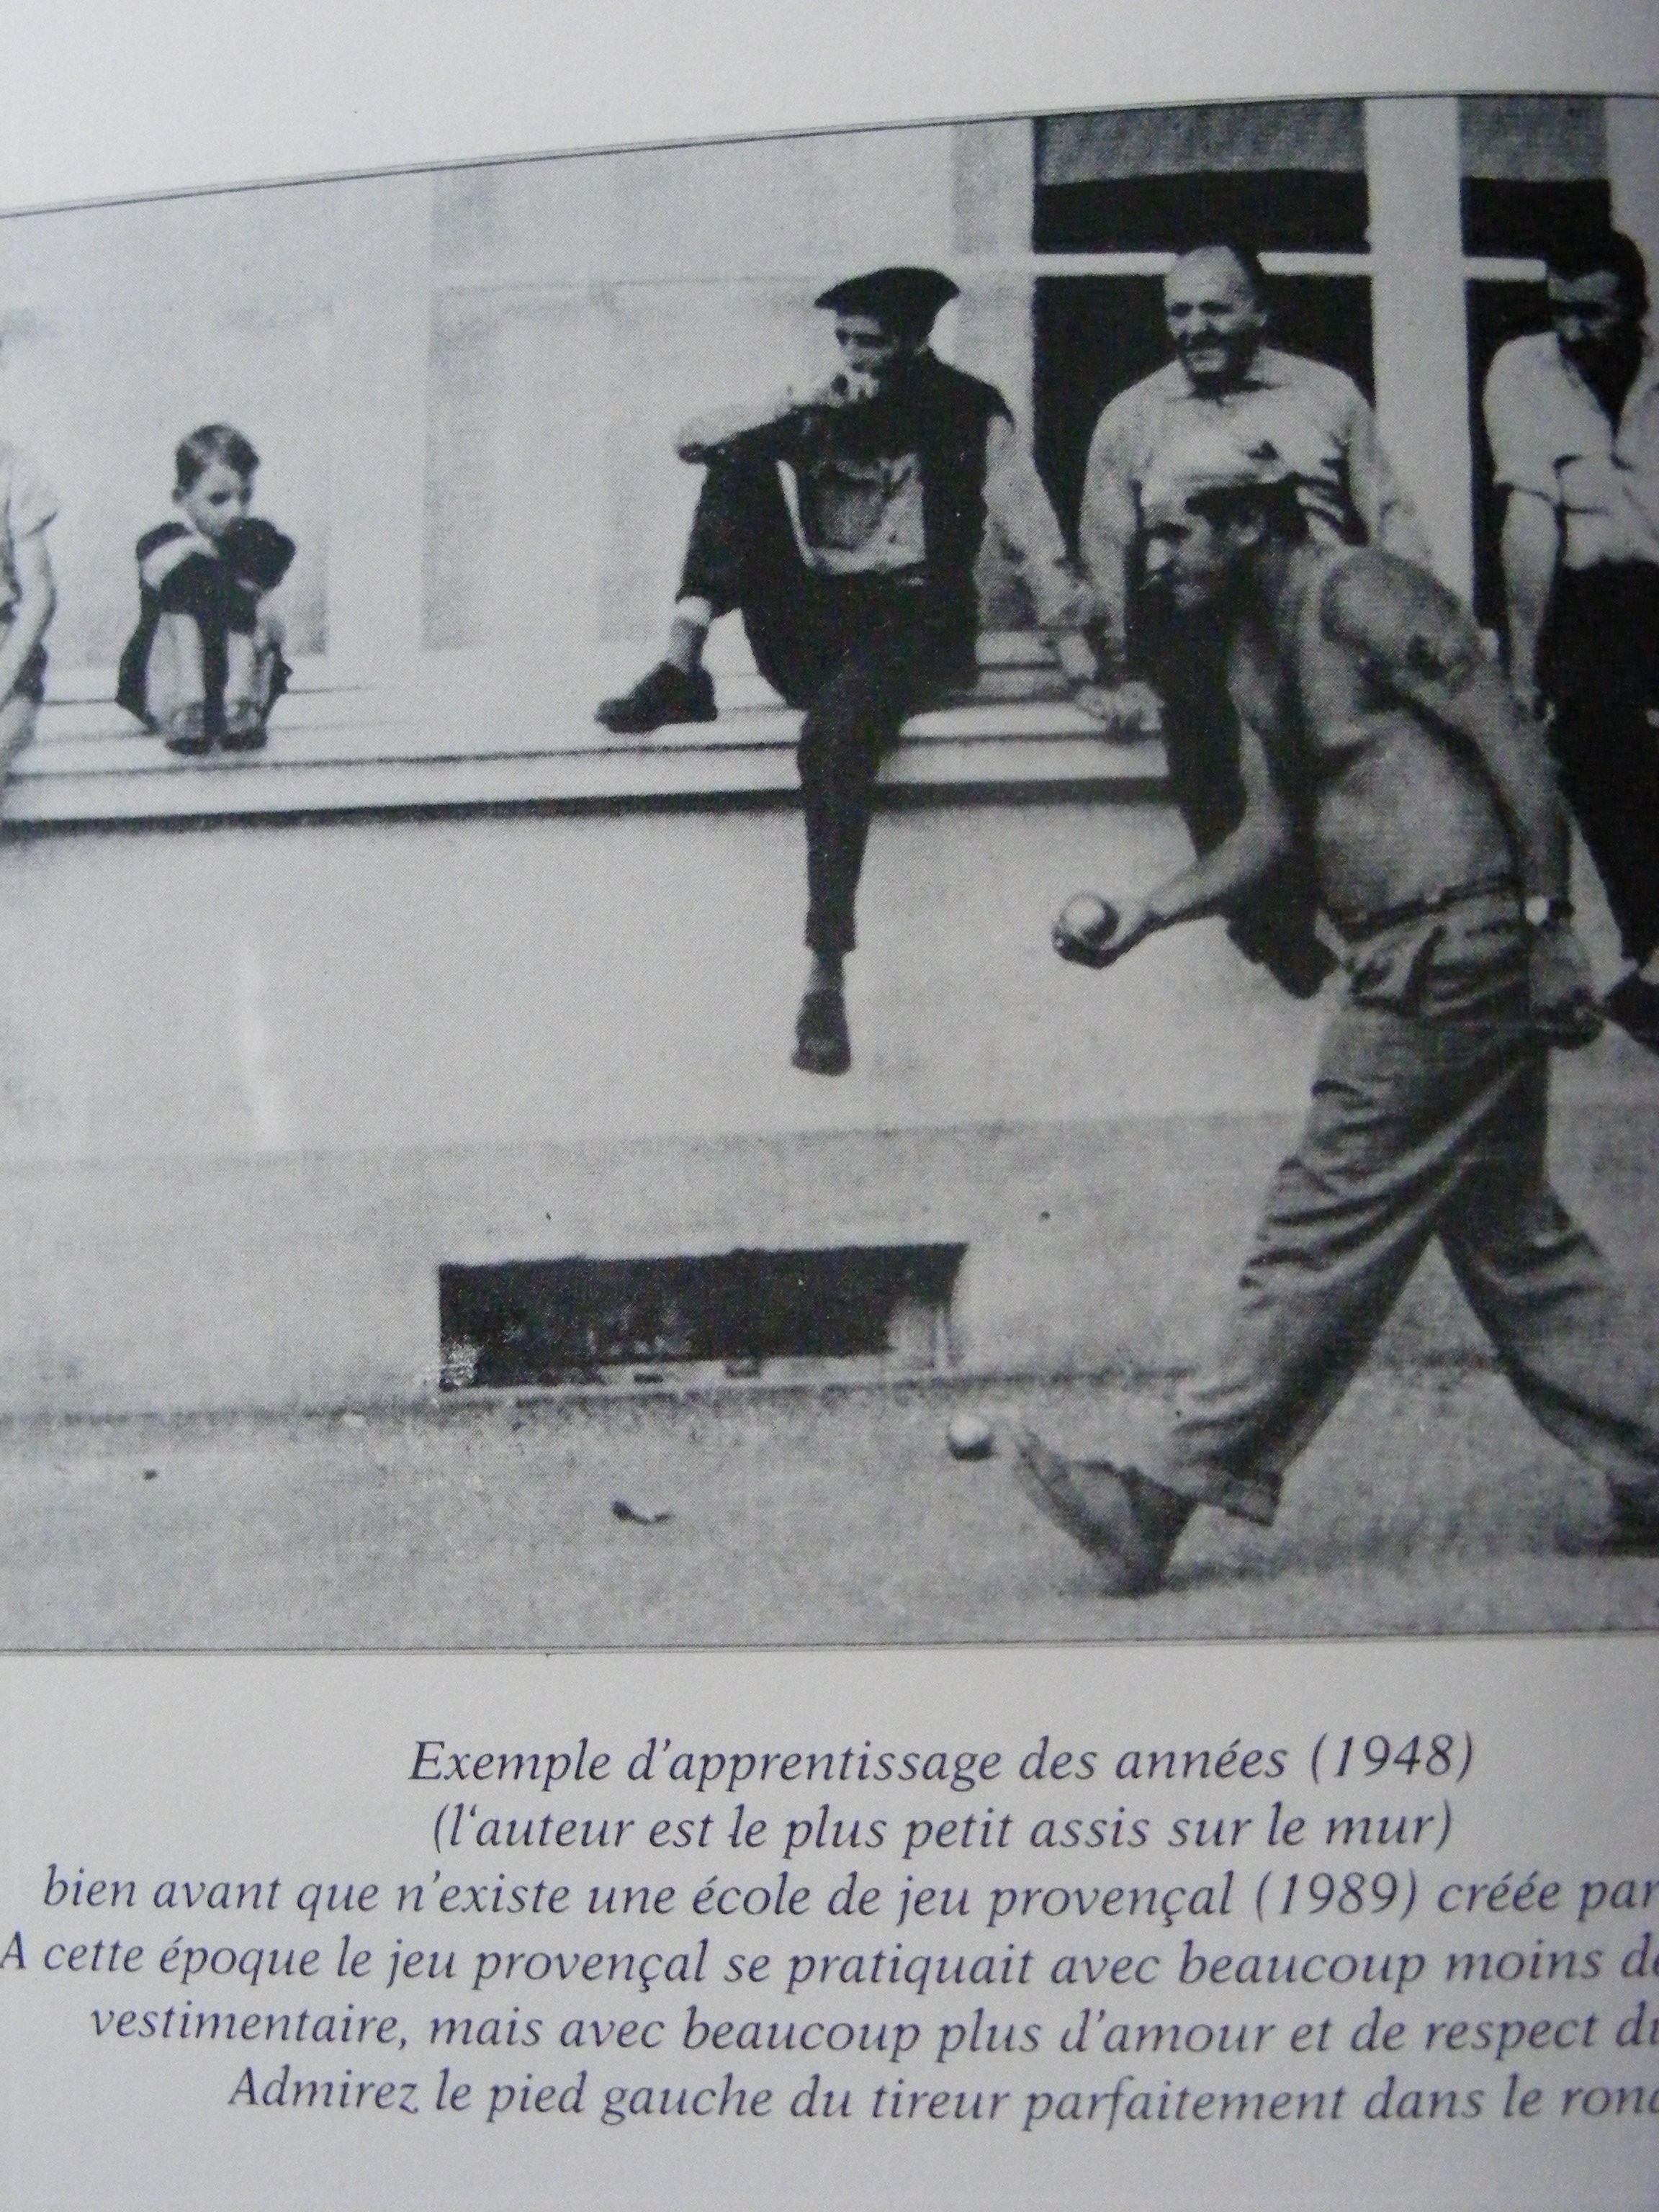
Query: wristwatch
{"x":1544,"y":907}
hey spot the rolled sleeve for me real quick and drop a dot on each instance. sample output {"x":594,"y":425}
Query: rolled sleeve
{"x":1516,"y":430}
{"x":1375,"y":494}
{"x":1020,"y":513}
{"x":1109,"y":520}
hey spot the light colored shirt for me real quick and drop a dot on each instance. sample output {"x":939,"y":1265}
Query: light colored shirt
{"x":27,"y":504}
{"x":1551,"y":435}
{"x":858,"y":517}
{"x":863,"y":518}
{"x":1315,"y":417}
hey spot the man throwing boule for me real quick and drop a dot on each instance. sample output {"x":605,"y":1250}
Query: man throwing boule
{"x":844,"y":526}
{"x":1373,"y":725}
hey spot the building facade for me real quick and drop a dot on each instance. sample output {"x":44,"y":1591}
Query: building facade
{"x":463,"y":382}
{"x":260,"y":1087}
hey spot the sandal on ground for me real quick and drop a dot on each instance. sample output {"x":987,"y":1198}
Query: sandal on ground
{"x":1127,"y":1525}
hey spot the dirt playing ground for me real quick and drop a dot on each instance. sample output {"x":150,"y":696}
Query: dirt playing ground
{"x":833,"y":1516}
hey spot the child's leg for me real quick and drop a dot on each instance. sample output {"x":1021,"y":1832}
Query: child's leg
{"x":252,"y":665}
{"x":175,"y":683}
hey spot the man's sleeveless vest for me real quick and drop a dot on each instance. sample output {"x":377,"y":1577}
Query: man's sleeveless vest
{"x":942,"y":415}
{"x":954,"y":412}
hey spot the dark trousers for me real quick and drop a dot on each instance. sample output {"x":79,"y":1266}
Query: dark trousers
{"x":1599,"y":663}
{"x":859,"y":653}
{"x":1185,"y":658}
{"x":1429,"y":1118}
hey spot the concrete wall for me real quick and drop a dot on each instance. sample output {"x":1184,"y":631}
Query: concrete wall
{"x":256,"y":1086}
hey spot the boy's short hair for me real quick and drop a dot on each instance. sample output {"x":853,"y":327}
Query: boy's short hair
{"x":214,"y":441}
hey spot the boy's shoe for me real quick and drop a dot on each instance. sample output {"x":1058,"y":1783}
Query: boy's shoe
{"x":245,"y":730}
{"x":1633,"y":1003}
{"x":185,"y":729}
{"x":822,"y":1046}
{"x":1127,"y":1525}
{"x":667,"y":694}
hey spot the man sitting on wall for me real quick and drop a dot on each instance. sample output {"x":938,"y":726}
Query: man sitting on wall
{"x":844,"y":526}
{"x":1225,"y":375}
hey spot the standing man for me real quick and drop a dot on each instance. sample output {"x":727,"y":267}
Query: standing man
{"x":844,"y":527}
{"x":1374,"y":727}
{"x":1225,"y":376}
{"x":1573,"y":416}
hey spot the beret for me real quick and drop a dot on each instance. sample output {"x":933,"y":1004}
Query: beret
{"x":902,"y":298}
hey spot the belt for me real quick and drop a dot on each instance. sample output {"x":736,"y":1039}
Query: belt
{"x":1356,"y":927}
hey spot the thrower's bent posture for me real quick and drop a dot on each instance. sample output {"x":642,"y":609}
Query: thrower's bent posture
{"x":1374,"y":725}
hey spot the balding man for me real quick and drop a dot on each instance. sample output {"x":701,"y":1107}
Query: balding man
{"x":1225,"y":375}
{"x":1375,"y":730}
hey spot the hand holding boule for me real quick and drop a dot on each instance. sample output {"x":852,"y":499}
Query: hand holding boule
{"x":1091,"y":932}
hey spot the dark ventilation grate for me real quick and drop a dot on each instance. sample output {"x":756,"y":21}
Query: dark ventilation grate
{"x":529,"y":1321}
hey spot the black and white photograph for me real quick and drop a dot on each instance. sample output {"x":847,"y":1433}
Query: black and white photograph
{"x":889,"y":886}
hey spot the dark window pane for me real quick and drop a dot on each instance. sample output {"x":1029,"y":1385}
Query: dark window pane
{"x":1313,"y":211}
{"x":1512,"y":216}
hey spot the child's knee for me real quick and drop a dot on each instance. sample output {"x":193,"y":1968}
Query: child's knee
{"x":174,"y":674}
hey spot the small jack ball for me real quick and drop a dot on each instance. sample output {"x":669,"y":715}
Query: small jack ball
{"x":969,"y":1437}
{"x":1092,"y":921}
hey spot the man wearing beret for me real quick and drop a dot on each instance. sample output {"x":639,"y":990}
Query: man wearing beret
{"x":844,"y":527}
{"x":1225,"y":376}
{"x":1374,"y":727}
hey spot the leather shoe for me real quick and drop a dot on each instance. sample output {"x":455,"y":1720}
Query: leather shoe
{"x":666,"y":694}
{"x":822,"y":1046}
{"x":185,"y":730}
